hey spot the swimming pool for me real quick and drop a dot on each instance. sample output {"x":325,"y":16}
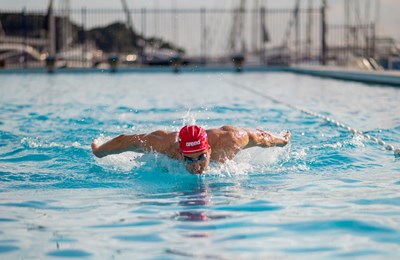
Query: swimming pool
{"x":328,"y":194}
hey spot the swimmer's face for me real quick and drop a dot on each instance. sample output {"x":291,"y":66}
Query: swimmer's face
{"x":197,"y":163}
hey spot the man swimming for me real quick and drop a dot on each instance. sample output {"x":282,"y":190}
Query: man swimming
{"x":193,"y":145}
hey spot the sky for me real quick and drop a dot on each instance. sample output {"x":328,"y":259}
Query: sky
{"x":387,"y":15}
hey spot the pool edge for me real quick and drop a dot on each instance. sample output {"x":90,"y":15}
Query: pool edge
{"x":391,"y":78}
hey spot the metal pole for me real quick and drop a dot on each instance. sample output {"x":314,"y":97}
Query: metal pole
{"x":347,"y":29}
{"x":373,"y":47}
{"x":143,"y":55}
{"x":52,"y":29}
{"x":25,"y":34}
{"x":156,"y":14}
{"x":297,"y":35}
{"x":175,"y":26}
{"x":377,"y":16}
{"x":308,"y":30}
{"x":323,"y":34}
{"x":84,"y":49}
{"x":203,"y":35}
{"x":262,"y":45}
{"x":144,"y":11}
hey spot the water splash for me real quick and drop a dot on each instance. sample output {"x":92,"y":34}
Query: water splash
{"x":189,"y":118}
{"x":30,"y":142}
{"x":248,"y":161}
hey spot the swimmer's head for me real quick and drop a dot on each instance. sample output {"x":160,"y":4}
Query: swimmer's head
{"x":192,"y":139}
{"x":194,"y":148}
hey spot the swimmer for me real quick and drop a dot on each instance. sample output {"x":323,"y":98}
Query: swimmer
{"x":193,"y":145}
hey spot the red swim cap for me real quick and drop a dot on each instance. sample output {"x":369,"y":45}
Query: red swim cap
{"x":192,"y":139}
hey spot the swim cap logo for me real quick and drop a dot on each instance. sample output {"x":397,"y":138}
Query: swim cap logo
{"x":189,"y":144}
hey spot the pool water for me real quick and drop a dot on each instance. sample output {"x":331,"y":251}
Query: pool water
{"x":328,"y":194}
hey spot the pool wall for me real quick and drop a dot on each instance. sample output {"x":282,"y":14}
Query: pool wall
{"x":370,"y":77}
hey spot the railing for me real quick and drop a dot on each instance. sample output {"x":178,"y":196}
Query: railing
{"x":198,"y":37}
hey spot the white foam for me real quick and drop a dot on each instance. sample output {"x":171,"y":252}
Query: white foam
{"x":37,"y":143}
{"x":299,"y":155}
{"x":248,"y":161}
{"x":122,"y":162}
{"x":254,"y":160}
{"x":189,"y":118}
{"x":358,"y":141}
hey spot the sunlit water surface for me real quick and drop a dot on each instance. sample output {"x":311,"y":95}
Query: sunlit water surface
{"x":327,"y":194}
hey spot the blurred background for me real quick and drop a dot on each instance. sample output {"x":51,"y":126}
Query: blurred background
{"x":126,"y":33}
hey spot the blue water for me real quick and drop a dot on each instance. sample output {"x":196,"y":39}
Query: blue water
{"x":328,"y":194}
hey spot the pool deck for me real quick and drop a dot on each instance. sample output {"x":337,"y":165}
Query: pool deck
{"x":391,"y":78}
{"x":344,"y":73}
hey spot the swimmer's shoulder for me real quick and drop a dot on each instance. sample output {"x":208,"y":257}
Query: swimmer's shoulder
{"x":222,"y":130}
{"x":165,"y":142}
{"x":225,"y":136}
{"x":164,"y":134}
{"x":162,"y":138}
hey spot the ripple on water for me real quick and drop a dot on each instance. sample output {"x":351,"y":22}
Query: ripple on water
{"x":146,"y":238}
{"x":360,"y":253}
{"x":131,"y":224}
{"x":218,"y":226}
{"x":32,"y":204}
{"x":7,"y":220}
{"x":346,"y":180}
{"x":6,"y":138}
{"x":71,"y":253}
{"x":198,"y":216}
{"x":255,"y":235}
{"x":28,"y":158}
{"x":395,"y":201}
{"x":351,"y":226}
{"x":63,"y":240}
{"x":13,"y":152}
{"x":7,"y":248}
{"x":307,"y":250}
{"x":253,"y":206}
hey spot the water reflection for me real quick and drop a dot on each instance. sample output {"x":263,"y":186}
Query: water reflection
{"x":197,"y":204}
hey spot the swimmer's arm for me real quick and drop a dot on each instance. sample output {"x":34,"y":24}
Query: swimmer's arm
{"x":136,"y":143}
{"x":263,"y":138}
